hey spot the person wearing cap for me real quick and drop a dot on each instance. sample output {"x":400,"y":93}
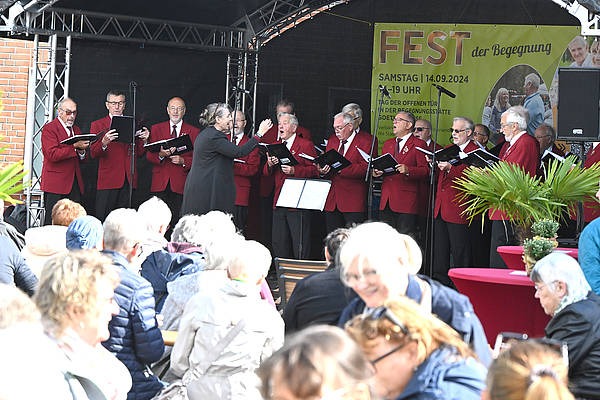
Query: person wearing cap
{"x":85,"y":233}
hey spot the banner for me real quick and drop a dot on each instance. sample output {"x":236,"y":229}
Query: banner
{"x":483,"y":65}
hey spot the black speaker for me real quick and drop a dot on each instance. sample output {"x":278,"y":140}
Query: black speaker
{"x":578,"y":101}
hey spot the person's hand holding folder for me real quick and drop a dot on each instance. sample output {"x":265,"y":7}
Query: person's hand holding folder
{"x":272,"y":160}
{"x":109,"y":137}
{"x":81,"y":145}
{"x":168,"y":152}
{"x":323,"y":171}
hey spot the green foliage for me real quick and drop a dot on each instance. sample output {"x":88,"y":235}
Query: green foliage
{"x":524,"y":198}
{"x":538,"y":248}
{"x":11,"y":180}
{"x":545,"y":228}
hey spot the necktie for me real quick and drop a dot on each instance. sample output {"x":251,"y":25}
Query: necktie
{"x":397,"y":148}
{"x":70,"y":131}
{"x":342,"y":146}
{"x":174,"y":133}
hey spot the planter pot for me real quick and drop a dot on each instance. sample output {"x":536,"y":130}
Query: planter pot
{"x":513,"y":255}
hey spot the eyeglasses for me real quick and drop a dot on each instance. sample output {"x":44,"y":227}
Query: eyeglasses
{"x":381,"y":313}
{"x":452,"y":130}
{"x":398,"y":119}
{"x":68,"y":112}
{"x":421,"y":128}
{"x":178,"y":109}
{"x":505,"y":339}
{"x":340,"y":128}
{"x":351,"y":279}
{"x":115,"y":103}
{"x":543,"y":285}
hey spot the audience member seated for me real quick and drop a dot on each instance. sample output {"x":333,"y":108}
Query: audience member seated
{"x":215,"y":233}
{"x":527,"y":371}
{"x":135,"y":337}
{"x":43,"y":243}
{"x":178,"y":258}
{"x":379,"y":263}
{"x":320,"y":362}
{"x":318,"y":298}
{"x":566,"y":296}
{"x":14,"y":270}
{"x":226,"y":334}
{"x":26,"y":352}
{"x":8,"y":230}
{"x":589,"y":254}
{"x":415,"y":355}
{"x":85,"y":233}
{"x":157,"y":216}
{"x":76,"y":300}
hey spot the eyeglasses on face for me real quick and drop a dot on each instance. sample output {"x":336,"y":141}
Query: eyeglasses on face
{"x":178,"y":109}
{"x":421,"y":128}
{"x":452,"y":130}
{"x":350,"y":279}
{"x":116,"y":103}
{"x":398,"y":119}
{"x":68,"y":112}
{"x":340,"y":128}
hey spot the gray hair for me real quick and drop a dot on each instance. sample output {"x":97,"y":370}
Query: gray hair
{"x":469,"y":124}
{"x":222,"y":110}
{"x":577,"y":39}
{"x":426,"y":123}
{"x":410,"y":116}
{"x":63,"y":101}
{"x":353,"y":109}
{"x":251,"y":260}
{"x":155,"y":213}
{"x":114,"y":92}
{"x":378,"y":245}
{"x":534,"y":79}
{"x":219,"y":250}
{"x":347,"y":117}
{"x":200,"y":229}
{"x":292,"y":117}
{"x":548,"y":130}
{"x":561,"y":267}
{"x":518,"y":115}
{"x":208,"y":117}
{"x":123,"y":228}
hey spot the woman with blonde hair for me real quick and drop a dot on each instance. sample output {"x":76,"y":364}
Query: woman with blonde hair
{"x":415,"y":355}
{"x":527,"y":371}
{"x":76,"y":300}
{"x":318,"y":362}
{"x":501,"y":104}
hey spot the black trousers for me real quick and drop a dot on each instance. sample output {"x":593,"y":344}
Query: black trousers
{"x":291,"y":233}
{"x":266,"y":221}
{"x":403,"y":223}
{"x":240,"y":218}
{"x":502,"y":235}
{"x":50,"y":199}
{"x":337,"y":219}
{"x":450,"y":239}
{"x":111,"y":199}
{"x":480,"y":242}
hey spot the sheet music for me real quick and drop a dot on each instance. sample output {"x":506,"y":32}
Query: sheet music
{"x":290,"y":193}
{"x":364,"y":155}
{"x":314,"y":195}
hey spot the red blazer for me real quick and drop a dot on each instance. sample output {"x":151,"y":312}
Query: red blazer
{"x":445,"y":201}
{"x":348,"y":188}
{"x":591,"y":209}
{"x":399,"y":190}
{"x":424,"y":198}
{"x":165,"y":171}
{"x":304,"y":169}
{"x":114,"y":163}
{"x":243,"y":172}
{"x":61,"y":161}
{"x":525,"y":152}
{"x":266,"y":181}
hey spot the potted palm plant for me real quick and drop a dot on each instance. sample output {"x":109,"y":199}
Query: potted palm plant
{"x":524,"y":198}
{"x":11,"y":176}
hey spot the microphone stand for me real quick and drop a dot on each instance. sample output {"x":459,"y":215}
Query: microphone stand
{"x":431,"y":234}
{"x":369,"y":175}
{"x":133,"y":90}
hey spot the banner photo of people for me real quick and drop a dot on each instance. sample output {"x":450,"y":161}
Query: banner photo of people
{"x":487,"y":67}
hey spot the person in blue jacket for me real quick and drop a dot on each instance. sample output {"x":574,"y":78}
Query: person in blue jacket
{"x":589,"y":254}
{"x":135,"y":337}
{"x":415,"y":355}
{"x":379,"y":263}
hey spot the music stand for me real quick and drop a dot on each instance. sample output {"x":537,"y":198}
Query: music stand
{"x":303,"y":194}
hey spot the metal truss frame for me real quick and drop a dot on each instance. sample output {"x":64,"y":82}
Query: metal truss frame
{"x":242,"y":79}
{"x":590,"y":22}
{"x":48,"y":84}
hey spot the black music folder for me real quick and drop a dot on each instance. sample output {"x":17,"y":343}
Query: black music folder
{"x":77,"y":138}
{"x":445,"y":154}
{"x":282,"y":153}
{"x":124,"y":125}
{"x":182,"y":144}
{"x":480,"y":158}
{"x":331,"y":157}
{"x":386,"y":163}
{"x":550,"y":155}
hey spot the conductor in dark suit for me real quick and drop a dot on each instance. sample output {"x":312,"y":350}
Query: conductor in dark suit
{"x":61,"y":176}
{"x":399,"y":206}
{"x":210,"y":185}
{"x":520,"y":149}
{"x":170,"y":170}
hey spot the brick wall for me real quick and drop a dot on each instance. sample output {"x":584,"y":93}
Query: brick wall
{"x":15,"y":58}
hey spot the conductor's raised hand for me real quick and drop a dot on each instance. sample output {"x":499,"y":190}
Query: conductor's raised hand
{"x":109,"y":137}
{"x":264,"y":126}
